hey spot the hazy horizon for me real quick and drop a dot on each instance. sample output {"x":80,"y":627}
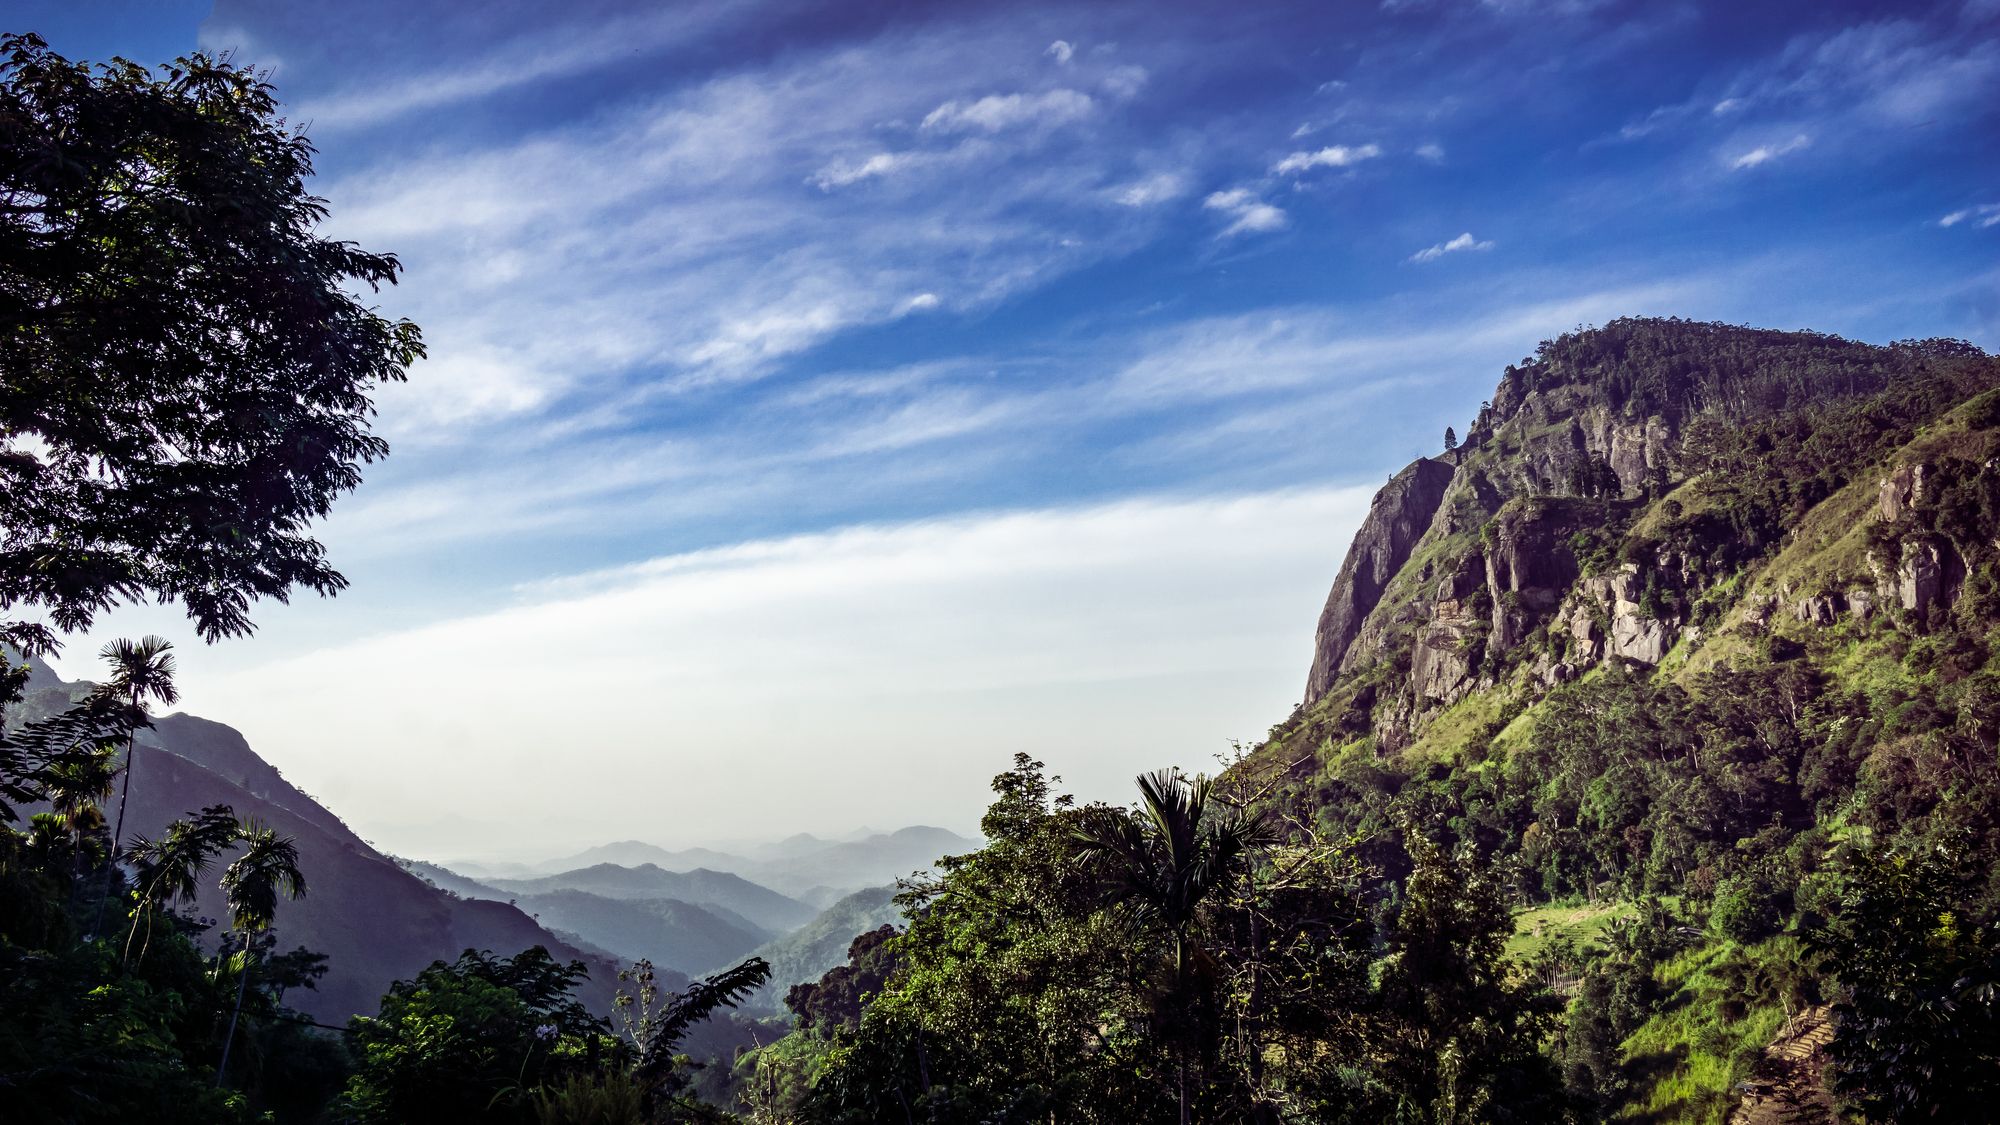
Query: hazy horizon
{"x":826,"y":402}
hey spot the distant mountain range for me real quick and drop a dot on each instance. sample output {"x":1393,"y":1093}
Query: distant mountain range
{"x":803,"y":867}
{"x":693,"y":921}
{"x":761,"y":906}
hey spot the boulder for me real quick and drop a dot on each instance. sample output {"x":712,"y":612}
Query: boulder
{"x":1899,"y":492}
{"x":1819,"y":609}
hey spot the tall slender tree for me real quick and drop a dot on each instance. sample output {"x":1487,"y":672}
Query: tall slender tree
{"x":269,"y":864}
{"x":1161,"y":865}
{"x":140,"y":671}
{"x":170,"y":868}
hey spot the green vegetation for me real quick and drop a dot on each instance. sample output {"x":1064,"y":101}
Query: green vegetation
{"x":180,"y":345}
{"x":1716,"y":749}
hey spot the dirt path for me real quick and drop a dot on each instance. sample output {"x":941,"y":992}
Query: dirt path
{"x":1785,"y":1087}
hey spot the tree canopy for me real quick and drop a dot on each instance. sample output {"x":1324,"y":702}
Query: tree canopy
{"x":185,"y":369}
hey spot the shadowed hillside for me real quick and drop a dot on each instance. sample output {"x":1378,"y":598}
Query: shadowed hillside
{"x":376,"y":922}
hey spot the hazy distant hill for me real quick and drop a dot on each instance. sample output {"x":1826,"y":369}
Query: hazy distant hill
{"x":446,"y":878}
{"x":633,"y":853}
{"x":807,"y":953}
{"x":867,"y":862}
{"x":801,"y":866}
{"x":762,"y":906}
{"x":376,"y":922}
{"x":669,"y":933}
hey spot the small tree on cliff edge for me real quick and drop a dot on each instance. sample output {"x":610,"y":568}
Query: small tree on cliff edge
{"x":1451,"y":444}
{"x":184,"y":372}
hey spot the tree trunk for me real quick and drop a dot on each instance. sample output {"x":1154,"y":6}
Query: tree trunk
{"x":229,"y":1037}
{"x":125,"y":790}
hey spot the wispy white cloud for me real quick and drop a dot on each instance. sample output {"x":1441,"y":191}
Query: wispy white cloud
{"x":840,"y":173}
{"x":565,"y":49}
{"x":1333,"y":156}
{"x":1246,"y":212}
{"x":1285,"y":350}
{"x":1061,"y":50}
{"x":1431,"y":152}
{"x":1982,"y":216}
{"x":1158,"y":188}
{"x":996,"y":112}
{"x":1765,"y":153}
{"x":1858,"y":89}
{"x":1125,"y":82}
{"x":693,"y":204}
{"x":1462,"y":242}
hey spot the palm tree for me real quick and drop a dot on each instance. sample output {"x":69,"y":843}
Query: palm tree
{"x":76,"y":787}
{"x":1164,"y":862}
{"x":170,"y":869}
{"x":269,"y":864}
{"x":139,"y":671}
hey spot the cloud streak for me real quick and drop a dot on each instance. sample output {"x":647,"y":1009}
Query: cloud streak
{"x":1765,"y":153}
{"x":1452,"y":246}
{"x":1246,"y":213}
{"x":1333,"y":156}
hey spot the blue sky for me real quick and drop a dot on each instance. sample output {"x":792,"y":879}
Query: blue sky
{"x":871,"y":390}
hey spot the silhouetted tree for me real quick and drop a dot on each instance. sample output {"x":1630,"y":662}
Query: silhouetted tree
{"x":269,"y":865}
{"x":140,"y":671}
{"x":170,"y":869}
{"x":184,"y":372}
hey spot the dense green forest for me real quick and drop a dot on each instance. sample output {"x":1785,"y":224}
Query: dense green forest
{"x":1647,"y":768}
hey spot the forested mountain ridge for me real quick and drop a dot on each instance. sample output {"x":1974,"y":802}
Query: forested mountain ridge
{"x":1696,"y":620}
{"x":1611,"y":455}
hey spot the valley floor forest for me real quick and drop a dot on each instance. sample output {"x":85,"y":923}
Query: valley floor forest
{"x":1646,"y":770}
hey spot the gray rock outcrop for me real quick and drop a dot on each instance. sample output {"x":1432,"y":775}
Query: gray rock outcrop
{"x":1401,"y":513}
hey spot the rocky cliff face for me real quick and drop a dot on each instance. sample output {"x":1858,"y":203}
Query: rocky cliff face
{"x":1400,"y":515}
{"x":1586,"y":520}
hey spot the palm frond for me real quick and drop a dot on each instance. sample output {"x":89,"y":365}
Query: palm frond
{"x":141,"y":670}
{"x":725,"y":989}
{"x":269,"y":865}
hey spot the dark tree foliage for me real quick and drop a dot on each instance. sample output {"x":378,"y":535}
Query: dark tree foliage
{"x":1917,"y":963}
{"x":184,"y":371}
{"x":470,"y":1041}
{"x":96,"y":1028}
{"x":836,"y":1000}
{"x":1464,"y":1032}
{"x":1653,"y":365}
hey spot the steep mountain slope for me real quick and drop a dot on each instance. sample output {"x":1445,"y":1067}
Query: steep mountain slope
{"x":375,"y":922}
{"x":761,"y":906}
{"x":1588,"y":480}
{"x":1696,"y":612}
{"x":808,"y":952}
